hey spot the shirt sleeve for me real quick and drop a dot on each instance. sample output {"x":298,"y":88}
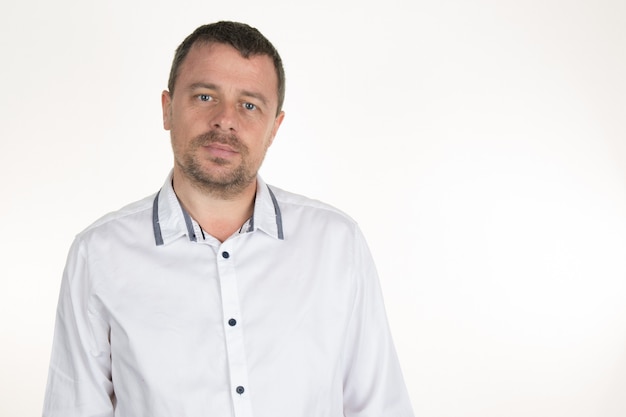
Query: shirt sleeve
{"x":79,"y":377}
{"x":373,"y":382}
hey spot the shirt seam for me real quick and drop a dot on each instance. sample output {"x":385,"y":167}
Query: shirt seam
{"x":92,"y":286}
{"x":116,"y":216}
{"x":357,"y":289}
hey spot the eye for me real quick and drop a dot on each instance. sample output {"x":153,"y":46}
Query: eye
{"x":249,"y":106}
{"x":205,"y":97}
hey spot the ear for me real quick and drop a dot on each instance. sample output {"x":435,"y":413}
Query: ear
{"x":277,"y":123}
{"x":166,"y":105}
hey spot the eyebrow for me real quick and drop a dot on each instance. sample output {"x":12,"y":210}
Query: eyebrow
{"x":244,"y":93}
{"x":252,"y":94}
{"x":209,"y":86}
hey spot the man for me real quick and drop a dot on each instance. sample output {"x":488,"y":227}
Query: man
{"x":219,"y":295}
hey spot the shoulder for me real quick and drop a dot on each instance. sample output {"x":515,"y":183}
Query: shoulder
{"x":131,"y":216}
{"x":292,"y":204}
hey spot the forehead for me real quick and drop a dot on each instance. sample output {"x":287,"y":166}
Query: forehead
{"x":218,"y":63}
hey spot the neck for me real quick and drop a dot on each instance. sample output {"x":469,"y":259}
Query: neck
{"x":219,"y":213}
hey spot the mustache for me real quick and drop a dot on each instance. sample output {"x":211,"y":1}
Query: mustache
{"x":216,"y":137}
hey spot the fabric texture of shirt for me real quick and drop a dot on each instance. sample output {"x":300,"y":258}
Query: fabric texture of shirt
{"x":285,"y":318}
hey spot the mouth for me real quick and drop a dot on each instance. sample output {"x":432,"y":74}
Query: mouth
{"x":219,"y":146}
{"x":220,"y":150}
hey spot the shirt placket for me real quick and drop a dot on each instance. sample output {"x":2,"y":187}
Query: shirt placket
{"x":233,"y":330}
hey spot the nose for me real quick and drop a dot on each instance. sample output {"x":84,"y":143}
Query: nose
{"x":224,"y":117}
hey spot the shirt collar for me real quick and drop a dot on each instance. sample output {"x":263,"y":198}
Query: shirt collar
{"x":171,"y":221}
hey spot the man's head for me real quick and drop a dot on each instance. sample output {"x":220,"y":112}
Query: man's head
{"x":245,"y":39}
{"x":223,"y":107}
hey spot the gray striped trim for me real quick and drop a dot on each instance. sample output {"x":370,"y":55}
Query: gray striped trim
{"x":156,"y":226}
{"x":189,"y":223}
{"x":158,"y":238}
{"x":251,"y":226}
{"x":279,"y":217}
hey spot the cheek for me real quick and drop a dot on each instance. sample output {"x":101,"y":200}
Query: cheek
{"x":269,"y":139}
{"x":188,"y":124}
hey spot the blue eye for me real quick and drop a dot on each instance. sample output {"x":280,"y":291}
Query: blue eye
{"x":249,"y":106}
{"x":205,"y":97}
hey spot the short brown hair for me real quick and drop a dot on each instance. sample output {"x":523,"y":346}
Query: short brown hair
{"x":244,"y":38}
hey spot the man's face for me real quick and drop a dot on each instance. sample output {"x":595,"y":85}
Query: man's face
{"x":221,"y":117}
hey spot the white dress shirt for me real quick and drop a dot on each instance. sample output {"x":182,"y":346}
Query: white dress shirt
{"x":156,"y":318}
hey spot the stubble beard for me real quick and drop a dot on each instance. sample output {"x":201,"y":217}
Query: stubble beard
{"x":224,"y":182}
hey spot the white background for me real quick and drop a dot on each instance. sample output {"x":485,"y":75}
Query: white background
{"x":480,"y":144}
